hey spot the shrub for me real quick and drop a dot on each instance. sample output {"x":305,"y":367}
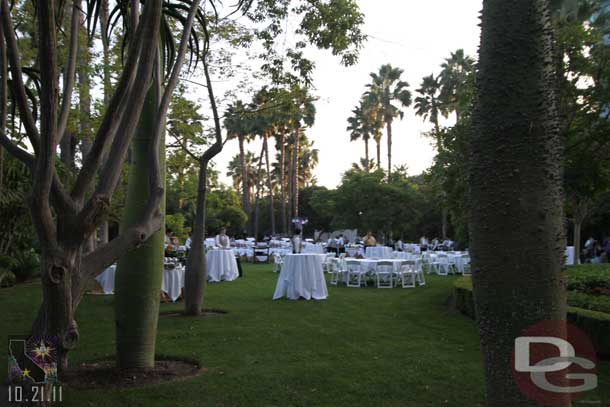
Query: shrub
{"x":7,"y":278}
{"x":27,"y":265}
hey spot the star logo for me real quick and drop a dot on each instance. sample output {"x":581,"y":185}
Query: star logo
{"x":26,"y":373}
{"x":43,"y":351}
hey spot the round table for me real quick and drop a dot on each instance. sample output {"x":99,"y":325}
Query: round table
{"x":221,"y":265}
{"x":313,"y":249}
{"x":302,"y":276}
{"x":379,"y":252}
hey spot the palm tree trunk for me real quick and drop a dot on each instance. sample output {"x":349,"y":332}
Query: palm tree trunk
{"x":104,"y":15}
{"x":389,"y":129}
{"x":245,"y":185}
{"x":366,"y":154}
{"x":515,"y":184}
{"x":283,"y":179}
{"x":444,"y":213}
{"x":259,"y":177}
{"x":269,"y":186}
{"x":139,"y":273}
{"x":378,"y":141}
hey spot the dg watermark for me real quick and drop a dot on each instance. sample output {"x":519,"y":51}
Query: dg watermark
{"x":554,"y":361}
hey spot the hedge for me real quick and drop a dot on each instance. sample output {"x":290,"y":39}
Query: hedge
{"x":595,"y":324}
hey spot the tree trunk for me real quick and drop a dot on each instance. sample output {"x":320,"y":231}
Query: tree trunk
{"x":290,"y":182}
{"x":283,"y":179}
{"x":378,"y":142}
{"x":245,"y":185}
{"x":516,"y":225}
{"x":366,"y":154}
{"x":269,"y":186}
{"x":139,"y":273}
{"x":444,"y":213}
{"x":297,"y":142}
{"x":104,"y":15}
{"x":259,"y":180}
{"x":196,"y":275}
{"x":389,"y":130}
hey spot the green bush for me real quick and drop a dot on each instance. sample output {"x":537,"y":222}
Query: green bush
{"x":7,"y":262}
{"x":599,"y":303}
{"x":7,"y":278}
{"x":591,"y":279}
{"x":27,"y":265}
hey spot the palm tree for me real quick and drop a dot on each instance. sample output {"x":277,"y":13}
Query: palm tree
{"x":516,"y":160}
{"x":457,"y":82}
{"x":238,"y":126}
{"x":428,"y":103}
{"x":236,"y":171}
{"x":385,"y":89}
{"x":359,"y":127}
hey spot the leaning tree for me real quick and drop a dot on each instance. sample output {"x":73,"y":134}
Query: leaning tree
{"x":65,"y":216}
{"x":516,"y":227}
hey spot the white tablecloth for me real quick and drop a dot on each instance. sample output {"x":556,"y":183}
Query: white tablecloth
{"x":301,"y":276}
{"x":379,"y":252}
{"x":173,"y":282}
{"x":221,"y":265}
{"x":106,"y":279}
{"x":570,"y":255}
{"x":313,"y":248}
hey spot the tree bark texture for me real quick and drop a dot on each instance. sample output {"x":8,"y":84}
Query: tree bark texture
{"x":516,"y":225}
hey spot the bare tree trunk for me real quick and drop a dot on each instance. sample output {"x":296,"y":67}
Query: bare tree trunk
{"x":378,"y":142}
{"x":104,"y":15}
{"x":297,"y":136}
{"x":245,"y":184}
{"x":389,"y":130}
{"x":577,"y":240}
{"x":259,"y":182}
{"x":516,"y":187}
{"x":290,"y":184}
{"x":444,"y":221}
{"x":269,"y":186}
{"x":283,"y":179}
{"x":3,"y":98}
{"x":196,"y":276}
{"x":366,"y":154}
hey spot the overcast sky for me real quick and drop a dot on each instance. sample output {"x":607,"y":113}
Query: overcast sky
{"x":411,"y":34}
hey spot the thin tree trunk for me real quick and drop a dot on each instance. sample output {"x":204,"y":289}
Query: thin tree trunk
{"x":245,"y":184}
{"x":515,"y":183}
{"x":283,"y":179}
{"x":290,"y":182}
{"x":297,"y":136}
{"x":444,"y":213}
{"x":366,"y":154}
{"x":389,"y":130}
{"x":3,"y":98}
{"x":104,"y":14}
{"x":378,"y":142}
{"x":196,"y":276}
{"x":269,"y":186}
{"x":259,"y":178}
{"x":139,"y":273}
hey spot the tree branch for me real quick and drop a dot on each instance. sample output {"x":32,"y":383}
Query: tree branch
{"x":116,"y":108}
{"x":70,"y":72}
{"x":16,"y":70}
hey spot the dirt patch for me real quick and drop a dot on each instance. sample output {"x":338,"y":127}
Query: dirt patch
{"x":105,"y":374}
{"x":207,"y":312}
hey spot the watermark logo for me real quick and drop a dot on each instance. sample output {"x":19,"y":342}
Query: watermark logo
{"x":553,"y":362}
{"x":32,"y":360}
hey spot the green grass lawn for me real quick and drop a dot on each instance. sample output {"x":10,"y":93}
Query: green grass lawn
{"x":361,"y":347}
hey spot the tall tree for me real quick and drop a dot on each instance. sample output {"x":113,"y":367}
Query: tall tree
{"x":428,"y":103}
{"x":516,"y":229}
{"x":385,"y":89}
{"x":457,"y":80}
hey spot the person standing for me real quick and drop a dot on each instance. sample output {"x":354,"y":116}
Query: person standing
{"x":222,"y":240}
{"x":369,"y":240}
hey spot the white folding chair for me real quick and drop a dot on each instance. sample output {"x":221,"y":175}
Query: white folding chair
{"x":355,"y":277}
{"x":384,"y":274}
{"x":466,"y":265}
{"x":336,"y":272}
{"x":408,"y":273}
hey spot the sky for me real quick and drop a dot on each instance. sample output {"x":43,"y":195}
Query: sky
{"x":413,"y":35}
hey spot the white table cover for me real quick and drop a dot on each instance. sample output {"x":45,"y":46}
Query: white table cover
{"x":570,"y":255}
{"x":313,"y":248}
{"x":106,"y":279}
{"x":380,"y":252}
{"x":301,"y":276}
{"x":221,"y":265}
{"x":173,"y":282}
